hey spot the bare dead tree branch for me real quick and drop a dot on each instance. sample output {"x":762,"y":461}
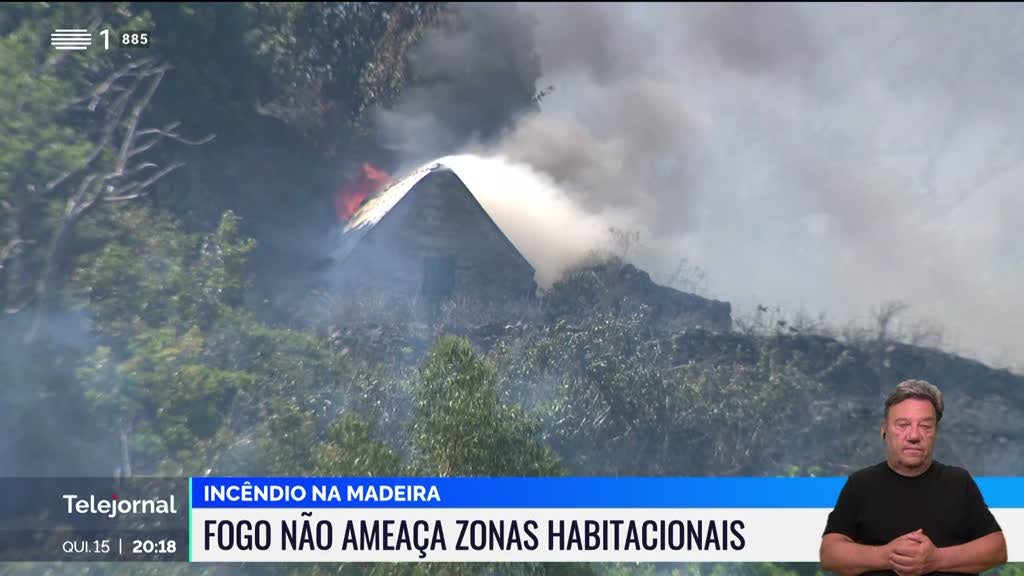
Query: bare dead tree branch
{"x":130,"y":171}
{"x":133,"y":119}
{"x":169,"y":128}
{"x":78,"y":203}
{"x":95,"y":97}
{"x":139,"y":189}
{"x":111,"y":84}
{"x":177,"y":137}
{"x":143,"y":147}
{"x":111,"y":122}
{"x":126,"y":463}
{"x":122,"y":99}
{"x":8,"y":249}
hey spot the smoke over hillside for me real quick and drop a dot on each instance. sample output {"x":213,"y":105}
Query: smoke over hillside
{"x":828,"y":158}
{"x":547,"y":226}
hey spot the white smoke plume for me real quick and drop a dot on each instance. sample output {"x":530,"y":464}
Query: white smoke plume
{"x":551,"y":230}
{"x":818,"y":157}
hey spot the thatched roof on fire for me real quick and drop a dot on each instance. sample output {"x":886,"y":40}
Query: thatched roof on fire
{"x":378,"y":207}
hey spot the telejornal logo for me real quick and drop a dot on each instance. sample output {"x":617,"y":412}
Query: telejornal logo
{"x":112,"y":507}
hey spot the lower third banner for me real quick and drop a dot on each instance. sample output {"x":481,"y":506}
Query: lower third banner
{"x":530,"y":519}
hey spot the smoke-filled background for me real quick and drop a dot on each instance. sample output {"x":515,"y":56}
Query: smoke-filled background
{"x":816,"y":157}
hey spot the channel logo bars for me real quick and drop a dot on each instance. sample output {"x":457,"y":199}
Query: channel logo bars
{"x":70,"y":39}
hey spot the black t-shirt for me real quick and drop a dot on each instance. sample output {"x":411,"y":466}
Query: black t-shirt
{"x":877,"y":505}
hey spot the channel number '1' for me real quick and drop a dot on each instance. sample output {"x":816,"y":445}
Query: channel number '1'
{"x":128,"y":39}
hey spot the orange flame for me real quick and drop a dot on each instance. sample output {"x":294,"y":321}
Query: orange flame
{"x":355,"y":191}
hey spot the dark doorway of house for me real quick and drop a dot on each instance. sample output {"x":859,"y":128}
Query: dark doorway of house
{"x":438,"y":278}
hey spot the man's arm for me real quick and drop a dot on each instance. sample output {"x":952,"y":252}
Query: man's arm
{"x":839,"y":553}
{"x":975,"y":556}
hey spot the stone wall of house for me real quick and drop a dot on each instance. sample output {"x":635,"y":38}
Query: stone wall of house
{"x":625,"y":289}
{"x":438,"y":243}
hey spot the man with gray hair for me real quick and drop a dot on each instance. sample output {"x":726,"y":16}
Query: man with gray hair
{"x":911,"y":515}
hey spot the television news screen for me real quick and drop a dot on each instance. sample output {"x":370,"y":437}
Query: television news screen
{"x":511,"y":288}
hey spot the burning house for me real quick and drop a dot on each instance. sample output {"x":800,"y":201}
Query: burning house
{"x":428,"y":237}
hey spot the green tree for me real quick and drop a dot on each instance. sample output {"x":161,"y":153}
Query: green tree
{"x":188,"y":381}
{"x":463,"y":428}
{"x":352,"y":448}
{"x":743,"y":419}
{"x":331,"y":63}
{"x":603,"y":395}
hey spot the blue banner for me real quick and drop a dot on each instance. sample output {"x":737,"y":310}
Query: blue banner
{"x":587,"y":492}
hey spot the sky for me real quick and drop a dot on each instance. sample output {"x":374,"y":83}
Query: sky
{"x":820,"y":157}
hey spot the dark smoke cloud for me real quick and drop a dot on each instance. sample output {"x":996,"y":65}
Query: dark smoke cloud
{"x":760,"y":38}
{"x":598,"y":41}
{"x":473,"y":76}
{"x":825,"y":157}
{"x":646,"y":163}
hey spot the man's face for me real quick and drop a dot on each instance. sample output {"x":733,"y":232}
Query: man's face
{"x":910,"y":435}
